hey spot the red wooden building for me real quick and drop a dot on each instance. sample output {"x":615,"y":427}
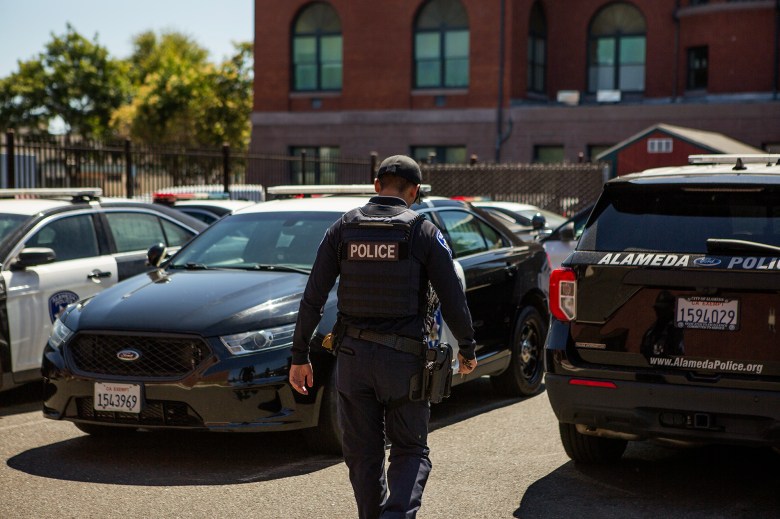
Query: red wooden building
{"x":665,"y":145}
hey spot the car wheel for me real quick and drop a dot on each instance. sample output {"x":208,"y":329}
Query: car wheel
{"x":524,"y":375}
{"x":590,"y":449}
{"x":104,"y":430}
{"x":325,"y":438}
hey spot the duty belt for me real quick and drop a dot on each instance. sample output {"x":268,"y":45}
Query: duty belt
{"x":388,"y":339}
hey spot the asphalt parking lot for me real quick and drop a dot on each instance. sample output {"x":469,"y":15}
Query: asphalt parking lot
{"x":493,"y":458}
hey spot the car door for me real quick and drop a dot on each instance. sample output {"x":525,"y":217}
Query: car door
{"x":489,"y":269}
{"x":37,"y":294}
{"x":132,"y":232}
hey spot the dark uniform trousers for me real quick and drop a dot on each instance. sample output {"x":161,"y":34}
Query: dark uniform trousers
{"x":373,"y":382}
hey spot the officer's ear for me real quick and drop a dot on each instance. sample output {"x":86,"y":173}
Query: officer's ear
{"x":418,"y":196}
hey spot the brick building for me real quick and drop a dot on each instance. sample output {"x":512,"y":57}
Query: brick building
{"x":509,"y":80}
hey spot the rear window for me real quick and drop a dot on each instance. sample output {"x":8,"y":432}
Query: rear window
{"x":681,"y":219}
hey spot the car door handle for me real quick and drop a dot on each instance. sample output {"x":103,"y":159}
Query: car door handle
{"x":98,"y":274}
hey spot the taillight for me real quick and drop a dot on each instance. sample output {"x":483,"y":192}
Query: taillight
{"x":563,"y":294}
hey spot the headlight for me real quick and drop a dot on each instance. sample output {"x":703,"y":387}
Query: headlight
{"x":59,"y":334}
{"x":259,"y":340}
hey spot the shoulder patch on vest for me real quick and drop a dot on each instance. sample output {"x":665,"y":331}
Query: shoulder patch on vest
{"x":373,"y":251}
{"x":443,"y":242}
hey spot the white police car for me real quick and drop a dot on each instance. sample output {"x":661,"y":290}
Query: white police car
{"x":61,"y":245}
{"x":204,"y":342}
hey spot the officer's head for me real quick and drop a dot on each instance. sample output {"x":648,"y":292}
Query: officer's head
{"x":400,"y":173}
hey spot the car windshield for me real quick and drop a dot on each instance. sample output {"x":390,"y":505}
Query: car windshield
{"x":684,"y":220}
{"x":254,"y":241}
{"x":9,"y":223}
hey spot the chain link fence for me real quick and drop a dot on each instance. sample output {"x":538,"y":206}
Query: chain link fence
{"x":562,"y":188}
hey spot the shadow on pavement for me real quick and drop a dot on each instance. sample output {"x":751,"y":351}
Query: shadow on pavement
{"x":202,"y":458}
{"x":173,"y":458}
{"x":22,"y":399}
{"x":654,"y":481}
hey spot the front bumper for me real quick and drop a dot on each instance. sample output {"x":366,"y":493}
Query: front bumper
{"x":646,"y":410}
{"x":248,"y":393}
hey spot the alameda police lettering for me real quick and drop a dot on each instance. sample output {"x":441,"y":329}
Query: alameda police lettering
{"x":638,"y":259}
{"x":372,"y":251}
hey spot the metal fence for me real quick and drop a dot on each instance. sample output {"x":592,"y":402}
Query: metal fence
{"x":128,"y":170}
{"x":562,"y":188}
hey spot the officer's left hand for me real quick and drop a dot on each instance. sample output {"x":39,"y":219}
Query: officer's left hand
{"x":466,"y":366}
{"x":301,"y":377}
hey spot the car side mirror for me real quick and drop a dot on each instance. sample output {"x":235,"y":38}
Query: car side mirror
{"x":33,"y":256}
{"x":538,"y":222}
{"x":566,"y":233}
{"x":156,"y":254}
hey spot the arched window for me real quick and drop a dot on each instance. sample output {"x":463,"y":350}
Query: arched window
{"x":537,"y":49}
{"x":616,"y":49}
{"x":441,"y":45}
{"x":316,"y":49}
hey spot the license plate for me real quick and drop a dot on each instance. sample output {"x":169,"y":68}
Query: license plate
{"x":125,"y":398}
{"x":707,"y":313}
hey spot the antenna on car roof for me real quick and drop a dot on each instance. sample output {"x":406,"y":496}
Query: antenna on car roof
{"x":739,"y":165}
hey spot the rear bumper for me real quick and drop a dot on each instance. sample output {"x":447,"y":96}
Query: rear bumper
{"x":641,"y":410}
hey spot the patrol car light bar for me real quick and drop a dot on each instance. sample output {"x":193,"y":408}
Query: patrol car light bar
{"x":76,"y":192}
{"x":334,"y":189}
{"x":750,"y":158}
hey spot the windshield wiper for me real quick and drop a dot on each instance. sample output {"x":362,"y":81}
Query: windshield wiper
{"x":190,"y":266}
{"x":280,"y":268}
{"x":729,"y":245}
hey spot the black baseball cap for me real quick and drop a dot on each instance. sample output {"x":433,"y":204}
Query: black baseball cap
{"x":402,"y":166}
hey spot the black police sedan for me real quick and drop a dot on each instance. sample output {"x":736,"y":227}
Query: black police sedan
{"x":204,"y":341}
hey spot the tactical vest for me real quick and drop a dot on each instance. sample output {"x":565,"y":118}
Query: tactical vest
{"x":379,"y":276}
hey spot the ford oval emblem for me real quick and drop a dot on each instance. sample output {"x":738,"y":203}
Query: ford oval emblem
{"x":128,"y":355}
{"x":706,"y":262}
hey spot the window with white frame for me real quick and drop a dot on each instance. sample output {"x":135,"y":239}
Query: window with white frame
{"x":659,"y":145}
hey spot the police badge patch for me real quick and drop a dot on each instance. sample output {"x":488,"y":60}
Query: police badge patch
{"x":59,"y":301}
{"x":443,"y":242}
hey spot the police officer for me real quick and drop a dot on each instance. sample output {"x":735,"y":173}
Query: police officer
{"x":387,"y":256}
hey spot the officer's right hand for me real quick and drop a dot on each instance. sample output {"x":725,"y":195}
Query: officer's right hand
{"x":301,"y":377}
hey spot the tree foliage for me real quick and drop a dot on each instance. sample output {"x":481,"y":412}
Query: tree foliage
{"x":166,"y":92}
{"x":183,"y":99}
{"x":74,"y":80}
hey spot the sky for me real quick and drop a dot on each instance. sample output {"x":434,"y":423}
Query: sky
{"x":27,"y":25}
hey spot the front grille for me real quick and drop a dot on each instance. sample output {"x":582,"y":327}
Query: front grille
{"x":157,"y":357}
{"x":155,"y":412}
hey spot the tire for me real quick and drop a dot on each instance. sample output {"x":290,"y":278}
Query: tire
{"x":104,"y":431}
{"x":524,"y":375}
{"x":590,"y":449}
{"x":325,"y":438}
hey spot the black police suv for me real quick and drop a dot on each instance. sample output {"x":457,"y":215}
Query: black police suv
{"x":665,"y":317}
{"x":204,"y":341}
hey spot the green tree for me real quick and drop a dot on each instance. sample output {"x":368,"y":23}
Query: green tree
{"x":181,"y":98}
{"x":74,"y":80}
